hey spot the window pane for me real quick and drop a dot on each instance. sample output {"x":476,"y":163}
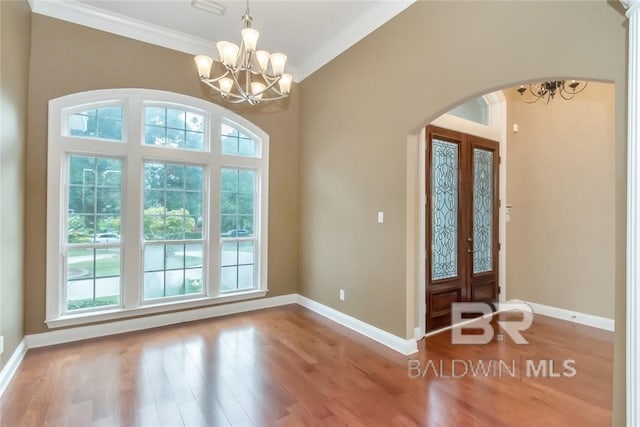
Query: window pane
{"x":174,"y":284}
{"x":229,"y":180}
{"x":195,"y":122}
{"x":174,"y":257}
{"x":229,"y":145}
{"x":172,"y":270}
{"x":193,"y":256}
{"x":154,"y":285}
{"x":229,"y":254}
{"x":237,"y":202}
{"x":228,"y":279}
{"x":154,"y":135}
{"x":107,"y":262}
{"x":236,"y":143}
{"x":245,"y":277}
{"x":155,"y":116}
{"x":175,"y":138}
{"x":104,"y":123}
{"x":154,"y":258}
{"x":172,"y":211}
{"x":176,"y":118}
{"x":94,"y":198}
{"x":246,"y":181}
{"x":194,"y":141}
{"x":237,"y":265}
{"x":193,"y":279}
{"x":245,"y":252}
{"x":193,"y":178}
{"x":174,"y":128}
{"x":93,"y":277}
{"x":247,"y":147}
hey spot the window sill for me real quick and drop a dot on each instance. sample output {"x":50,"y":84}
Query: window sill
{"x":121,"y":313}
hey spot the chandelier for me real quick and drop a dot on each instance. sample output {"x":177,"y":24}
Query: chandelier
{"x":249,"y":75}
{"x":548,"y":90}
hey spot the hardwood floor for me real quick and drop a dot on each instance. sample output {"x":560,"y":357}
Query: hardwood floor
{"x":288,"y":366}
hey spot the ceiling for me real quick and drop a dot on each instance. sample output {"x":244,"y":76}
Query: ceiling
{"x":309,"y":32}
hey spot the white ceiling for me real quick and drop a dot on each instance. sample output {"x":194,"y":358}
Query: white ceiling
{"x":309,"y":32}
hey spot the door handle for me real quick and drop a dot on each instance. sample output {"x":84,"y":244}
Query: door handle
{"x":470,"y":251}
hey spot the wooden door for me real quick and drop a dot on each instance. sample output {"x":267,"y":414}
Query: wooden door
{"x":462,"y":222}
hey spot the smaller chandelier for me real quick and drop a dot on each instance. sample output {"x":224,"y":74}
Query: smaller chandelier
{"x":250,"y":75}
{"x":548,"y":90}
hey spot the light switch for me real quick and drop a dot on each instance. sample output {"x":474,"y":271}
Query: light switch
{"x":380,"y":217}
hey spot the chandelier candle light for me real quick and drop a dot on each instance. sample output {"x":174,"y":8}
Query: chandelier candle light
{"x":247,"y":77}
{"x":548,"y":90}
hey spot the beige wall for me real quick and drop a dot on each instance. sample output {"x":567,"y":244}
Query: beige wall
{"x":561,"y":185}
{"x":357,"y":111}
{"x":15,"y":34}
{"x":67,"y":58}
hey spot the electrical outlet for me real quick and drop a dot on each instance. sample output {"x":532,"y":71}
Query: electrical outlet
{"x":1,"y":345}
{"x":341,"y":294}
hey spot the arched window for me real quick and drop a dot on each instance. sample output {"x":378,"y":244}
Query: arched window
{"x":155,"y":201}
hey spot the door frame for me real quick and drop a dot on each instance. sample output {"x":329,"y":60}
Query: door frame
{"x":497,"y":131}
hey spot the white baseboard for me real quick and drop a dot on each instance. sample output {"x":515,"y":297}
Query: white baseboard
{"x":63,"y":336}
{"x":122,"y":326}
{"x":12,"y":365}
{"x":394,"y":342}
{"x":417,"y":333}
{"x":569,"y":315}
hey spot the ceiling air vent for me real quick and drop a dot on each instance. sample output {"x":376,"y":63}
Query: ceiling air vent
{"x":209,"y":6}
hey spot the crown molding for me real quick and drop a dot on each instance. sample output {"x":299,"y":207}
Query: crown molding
{"x":350,"y":35}
{"x":100,"y":19}
{"x":93,"y":17}
{"x":632,"y":6}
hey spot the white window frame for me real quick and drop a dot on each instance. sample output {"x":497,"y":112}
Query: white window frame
{"x":132,"y":150}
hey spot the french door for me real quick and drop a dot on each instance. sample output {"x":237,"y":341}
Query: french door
{"x":462,"y":222}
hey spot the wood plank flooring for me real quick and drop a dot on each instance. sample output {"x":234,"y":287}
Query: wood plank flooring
{"x":288,"y":366}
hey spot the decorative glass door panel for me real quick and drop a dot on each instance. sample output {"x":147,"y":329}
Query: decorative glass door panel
{"x":444,"y":193}
{"x":482,"y":210}
{"x":462,"y":215}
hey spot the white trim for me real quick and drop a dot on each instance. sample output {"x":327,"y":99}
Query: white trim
{"x":130,"y":325}
{"x":422,"y":233}
{"x":120,"y":313}
{"x":498,"y":120}
{"x":633,"y":218}
{"x":94,"y":17}
{"x":12,"y":365}
{"x":351,"y":34}
{"x":84,"y":14}
{"x":632,"y":8}
{"x":403,"y":346}
{"x":417,"y":333}
{"x":569,"y":315}
{"x":394,"y":342}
